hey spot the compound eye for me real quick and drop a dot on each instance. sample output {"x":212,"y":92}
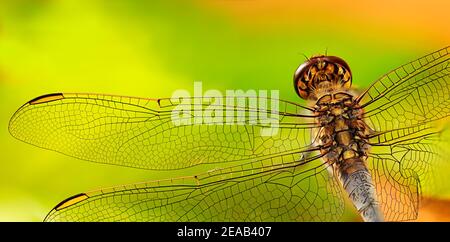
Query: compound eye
{"x":343,"y":70}
{"x":301,"y":80}
{"x":309,"y":75}
{"x":330,"y":68}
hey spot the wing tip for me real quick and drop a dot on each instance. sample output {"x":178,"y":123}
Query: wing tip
{"x":46,"y":98}
{"x":71,"y":201}
{"x":67,"y":203}
{"x":38,"y":100}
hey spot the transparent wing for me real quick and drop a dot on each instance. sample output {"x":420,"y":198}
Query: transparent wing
{"x":406,"y":110}
{"x":405,"y":170}
{"x":161,"y":133}
{"x":284,"y":188}
{"x":410,"y":98}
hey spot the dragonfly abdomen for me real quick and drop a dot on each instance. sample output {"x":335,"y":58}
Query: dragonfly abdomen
{"x":344,"y":147}
{"x":358,"y":183}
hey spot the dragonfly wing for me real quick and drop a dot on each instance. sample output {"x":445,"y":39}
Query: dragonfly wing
{"x":406,"y":111}
{"x":406,"y":170}
{"x":155,"y":133}
{"x":283,"y":188}
{"x":411,"y":98}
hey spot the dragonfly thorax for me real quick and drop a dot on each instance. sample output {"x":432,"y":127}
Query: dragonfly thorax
{"x":321,"y":74}
{"x":343,"y":141}
{"x":343,"y":130}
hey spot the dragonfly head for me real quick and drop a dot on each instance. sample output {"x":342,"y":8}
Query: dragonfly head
{"x":321,"y":73}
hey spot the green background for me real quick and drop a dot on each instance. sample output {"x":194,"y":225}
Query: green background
{"x":152,"y":48}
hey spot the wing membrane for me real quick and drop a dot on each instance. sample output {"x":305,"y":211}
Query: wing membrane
{"x":276,"y":189}
{"x":406,"y":110}
{"x":271,"y":179}
{"x":405,"y":170}
{"x":141,"y":133}
{"x":409,"y":99}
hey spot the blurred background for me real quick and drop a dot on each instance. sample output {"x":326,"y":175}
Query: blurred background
{"x":151,"y":48}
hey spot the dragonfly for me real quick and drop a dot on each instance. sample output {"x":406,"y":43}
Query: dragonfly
{"x":379,"y":149}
